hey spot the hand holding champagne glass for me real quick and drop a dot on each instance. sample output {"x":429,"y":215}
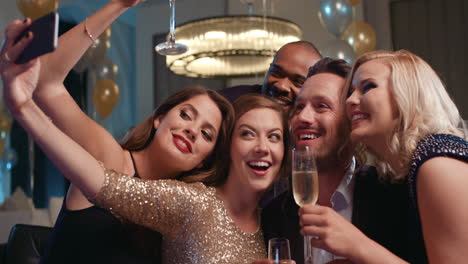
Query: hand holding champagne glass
{"x":305,"y":186}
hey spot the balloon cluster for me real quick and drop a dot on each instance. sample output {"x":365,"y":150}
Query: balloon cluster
{"x":351,"y":38}
{"x":106,"y":92}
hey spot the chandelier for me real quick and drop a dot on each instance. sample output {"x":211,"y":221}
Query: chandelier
{"x":230,"y":46}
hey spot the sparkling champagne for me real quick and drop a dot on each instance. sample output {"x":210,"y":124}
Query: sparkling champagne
{"x":305,"y":187}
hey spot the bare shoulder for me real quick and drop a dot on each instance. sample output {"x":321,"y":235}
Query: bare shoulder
{"x":443,"y":169}
{"x":441,"y":181}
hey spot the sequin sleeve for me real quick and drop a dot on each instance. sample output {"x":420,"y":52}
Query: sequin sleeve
{"x":162,"y":205}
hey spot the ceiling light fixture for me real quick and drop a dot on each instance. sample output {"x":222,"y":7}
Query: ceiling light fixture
{"x":231,"y":46}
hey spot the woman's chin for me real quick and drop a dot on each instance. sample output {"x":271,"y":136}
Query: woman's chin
{"x":357,"y":136}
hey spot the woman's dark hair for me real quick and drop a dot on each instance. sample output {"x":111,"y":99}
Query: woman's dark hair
{"x":140,"y":136}
{"x":243,"y":105}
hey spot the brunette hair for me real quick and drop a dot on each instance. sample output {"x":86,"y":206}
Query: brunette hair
{"x":243,"y":105}
{"x":329,"y":65}
{"x":140,"y":136}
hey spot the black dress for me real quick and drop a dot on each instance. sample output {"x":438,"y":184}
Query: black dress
{"x":435,"y":145}
{"x":93,"y":235}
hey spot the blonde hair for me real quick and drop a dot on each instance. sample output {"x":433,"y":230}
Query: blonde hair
{"x":423,"y":104}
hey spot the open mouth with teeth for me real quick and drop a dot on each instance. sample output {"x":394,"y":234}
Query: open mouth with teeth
{"x":359,"y":117}
{"x":308,"y":136}
{"x":259,"y":167}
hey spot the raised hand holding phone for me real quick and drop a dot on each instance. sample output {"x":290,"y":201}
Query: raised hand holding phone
{"x":19,"y":80}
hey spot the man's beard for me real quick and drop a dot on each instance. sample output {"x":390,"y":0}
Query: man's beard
{"x":329,"y":156}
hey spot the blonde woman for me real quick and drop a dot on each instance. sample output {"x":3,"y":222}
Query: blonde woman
{"x":402,"y":113}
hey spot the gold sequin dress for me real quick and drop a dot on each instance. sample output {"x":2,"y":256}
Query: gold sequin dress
{"x":192,"y":219}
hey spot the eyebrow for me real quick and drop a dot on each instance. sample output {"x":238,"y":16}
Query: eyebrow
{"x":195,"y":113}
{"x":322,"y":98}
{"x":370,"y":79}
{"x":295,"y":75}
{"x":251,"y":128}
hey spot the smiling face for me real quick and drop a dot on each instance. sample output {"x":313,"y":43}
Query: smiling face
{"x":288,"y":72}
{"x":370,"y":105}
{"x":318,"y":117}
{"x":257,"y":149}
{"x":187,"y":134}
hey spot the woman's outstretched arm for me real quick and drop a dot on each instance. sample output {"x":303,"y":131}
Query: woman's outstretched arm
{"x":71,"y":159}
{"x":81,"y":168}
{"x":52,"y":97}
{"x":60,"y":106}
{"x":19,"y":82}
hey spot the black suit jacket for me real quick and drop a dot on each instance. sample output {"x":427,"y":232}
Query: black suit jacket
{"x":379,"y":211}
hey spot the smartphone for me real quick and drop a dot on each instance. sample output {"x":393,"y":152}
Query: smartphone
{"x":45,"y":30}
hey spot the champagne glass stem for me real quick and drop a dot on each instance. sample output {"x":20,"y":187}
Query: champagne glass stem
{"x":308,"y":256}
{"x":172,"y":21}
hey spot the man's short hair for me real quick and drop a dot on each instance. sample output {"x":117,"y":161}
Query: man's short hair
{"x":304,"y":44}
{"x":330,"y":65}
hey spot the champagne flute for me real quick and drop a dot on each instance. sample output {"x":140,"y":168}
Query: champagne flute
{"x":278,"y":250}
{"x":170,"y":47}
{"x":305,"y":186}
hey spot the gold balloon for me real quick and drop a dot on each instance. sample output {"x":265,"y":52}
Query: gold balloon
{"x":5,"y":123}
{"x":354,"y":2}
{"x":105,"y":97}
{"x":361,"y":36}
{"x":36,"y":8}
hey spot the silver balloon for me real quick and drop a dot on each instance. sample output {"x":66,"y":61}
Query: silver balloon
{"x":106,"y":69}
{"x":339,"y":49}
{"x":94,"y":55}
{"x":335,"y":15}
